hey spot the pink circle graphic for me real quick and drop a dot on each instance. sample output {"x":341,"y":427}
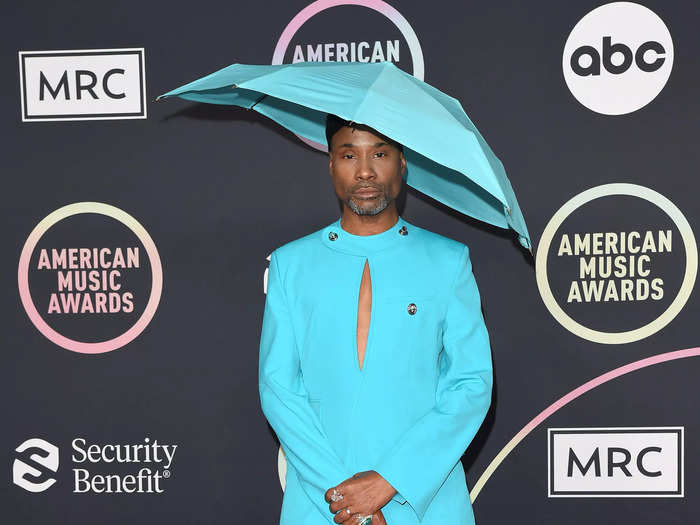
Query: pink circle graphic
{"x":568,"y":398}
{"x":377,"y":5}
{"x":156,"y":273}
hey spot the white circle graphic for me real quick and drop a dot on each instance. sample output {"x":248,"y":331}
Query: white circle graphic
{"x":691,"y":265}
{"x":618,"y":58}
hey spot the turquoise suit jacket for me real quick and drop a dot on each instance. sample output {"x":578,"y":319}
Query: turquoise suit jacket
{"x":424,"y":387}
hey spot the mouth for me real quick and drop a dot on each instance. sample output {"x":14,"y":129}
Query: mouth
{"x":367,"y":192}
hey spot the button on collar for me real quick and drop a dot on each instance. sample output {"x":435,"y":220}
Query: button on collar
{"x":336,"y":238}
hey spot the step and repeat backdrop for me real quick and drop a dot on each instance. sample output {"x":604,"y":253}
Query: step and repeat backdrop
{"x":139,"y":233}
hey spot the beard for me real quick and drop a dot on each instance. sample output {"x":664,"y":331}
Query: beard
{"x":371,"y":206}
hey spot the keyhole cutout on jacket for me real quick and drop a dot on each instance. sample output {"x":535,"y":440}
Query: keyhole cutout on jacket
{"x":364,"y":307}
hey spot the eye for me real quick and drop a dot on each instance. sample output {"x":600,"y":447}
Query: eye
{"x":347,"y":155}
{"x":381,"y":153}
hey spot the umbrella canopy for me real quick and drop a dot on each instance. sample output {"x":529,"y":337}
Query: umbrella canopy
{"x":446,"y":156}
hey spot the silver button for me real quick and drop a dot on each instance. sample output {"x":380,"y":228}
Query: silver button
{"x":412,"y":308}
{"x":403,"y":230}
{"x":332,"y":236}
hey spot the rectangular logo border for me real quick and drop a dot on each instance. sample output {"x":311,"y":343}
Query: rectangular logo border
{"x":139,"y":51}
{"x":608,"y":494}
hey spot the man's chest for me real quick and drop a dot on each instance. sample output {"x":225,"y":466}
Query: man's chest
{"x":340,"y":279}
{"x":346,"y":294}
{"x":350,"y":311}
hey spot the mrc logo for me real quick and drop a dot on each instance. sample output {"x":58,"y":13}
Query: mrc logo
{"x":82,"y":84}
{"x":614,"y":462}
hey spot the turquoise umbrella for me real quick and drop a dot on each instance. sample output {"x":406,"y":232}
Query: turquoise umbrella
{"x":446,"y":156}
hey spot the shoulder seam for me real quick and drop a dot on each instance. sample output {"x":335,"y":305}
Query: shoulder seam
{"x":275,"y":254}
{"x":461,"y":261}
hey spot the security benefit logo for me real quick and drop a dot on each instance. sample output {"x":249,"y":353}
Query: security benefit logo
{"x":95,"y":468}
{"x":82,"y":85}
{"x":618,"y":58}
{"x":615,"y":462}
{"x":616,"y":263}
{"x":90,"y":277}
{"x":35,"y":466}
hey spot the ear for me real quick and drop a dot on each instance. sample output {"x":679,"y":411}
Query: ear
{"x":403,"y":164}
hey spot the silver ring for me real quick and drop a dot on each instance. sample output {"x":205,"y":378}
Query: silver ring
{"x":336,"y":495}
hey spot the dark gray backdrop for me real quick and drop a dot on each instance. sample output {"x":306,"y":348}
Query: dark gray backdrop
{"x":219,"y":188}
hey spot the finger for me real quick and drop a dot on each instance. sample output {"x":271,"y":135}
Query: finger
{"x":343,"y":515}
{"x":331,"y":492}
{"x":340,"y":502}
{"x":338,"y":506}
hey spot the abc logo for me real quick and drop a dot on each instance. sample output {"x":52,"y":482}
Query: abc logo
{"x":618,"y":58}
{"x":627,"y":58}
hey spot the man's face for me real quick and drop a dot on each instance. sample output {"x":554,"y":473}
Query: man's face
{"x":366,"y":170}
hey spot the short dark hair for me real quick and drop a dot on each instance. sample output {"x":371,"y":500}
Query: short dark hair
{"x":334,"y":123}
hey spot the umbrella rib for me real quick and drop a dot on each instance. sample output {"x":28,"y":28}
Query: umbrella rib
{"x":367,"y":91}
{"x":259,"y":99}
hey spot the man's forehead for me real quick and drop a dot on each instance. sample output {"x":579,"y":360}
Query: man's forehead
{"x":359,"y":137}
{"x":369,"y":143}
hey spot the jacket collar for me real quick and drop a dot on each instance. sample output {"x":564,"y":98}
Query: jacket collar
{"x":336,"y":238}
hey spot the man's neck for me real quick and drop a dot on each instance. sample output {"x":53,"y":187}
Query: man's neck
{"x":356,"y":224}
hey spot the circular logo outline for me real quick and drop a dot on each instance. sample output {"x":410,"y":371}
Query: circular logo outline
{"x":605,"y":190}
{"x":592,"y":18}
{"x":156,"y":274}
{"x":379,"y":6}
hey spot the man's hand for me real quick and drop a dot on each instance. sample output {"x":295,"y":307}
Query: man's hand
{"x":364,"y":493}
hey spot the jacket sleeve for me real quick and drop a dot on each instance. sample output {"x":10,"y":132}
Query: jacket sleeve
{"x":284,"y":400}
{"x":420,"y":461}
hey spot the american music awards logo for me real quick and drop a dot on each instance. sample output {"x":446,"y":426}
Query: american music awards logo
{"x":386,"y":35}
{"x":616,"y":263}
{"x":90,"y":277}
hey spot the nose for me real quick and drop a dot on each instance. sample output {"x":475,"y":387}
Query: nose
{"x":365,"y":169}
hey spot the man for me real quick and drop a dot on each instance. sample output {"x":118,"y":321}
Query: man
{"x":375,"y":364}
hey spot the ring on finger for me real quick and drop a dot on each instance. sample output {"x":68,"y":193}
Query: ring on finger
{"x":364,"y":520}
{"x":336,"y":495}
